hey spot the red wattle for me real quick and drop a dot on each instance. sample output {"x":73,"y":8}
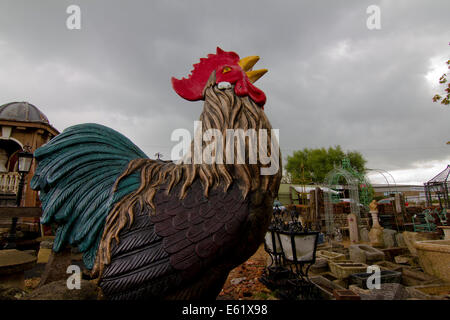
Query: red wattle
{"x":256,"y":94}
{"x":244,"y":87}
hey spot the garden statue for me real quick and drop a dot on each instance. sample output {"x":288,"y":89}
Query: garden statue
{"x":373,"y":206}
{"x":152,"y":229}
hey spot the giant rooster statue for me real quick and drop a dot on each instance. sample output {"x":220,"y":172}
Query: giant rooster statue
{"x":152,"y":229}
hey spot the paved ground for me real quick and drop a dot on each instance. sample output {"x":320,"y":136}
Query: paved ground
{"x":243,"y":281}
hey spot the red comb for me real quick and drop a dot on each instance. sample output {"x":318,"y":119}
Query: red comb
{"x":192,"y":87}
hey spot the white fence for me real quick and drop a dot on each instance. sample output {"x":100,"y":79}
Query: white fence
{"x":9,"y":182}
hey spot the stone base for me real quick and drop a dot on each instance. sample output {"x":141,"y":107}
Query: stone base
{"x":376,"y":237}
{"x":13,"y":264}
{"x":364,"y":235}
{"x":365,"y":254}
{"x":343,"y":269}
{"x":391,"y":253}
{"x":389,"y":238}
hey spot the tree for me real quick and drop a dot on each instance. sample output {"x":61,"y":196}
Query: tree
{"x":312,"y":165}
{"x":443,"y":80}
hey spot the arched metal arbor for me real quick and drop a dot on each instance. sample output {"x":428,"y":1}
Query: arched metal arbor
{"x":355,"y":183}
{"x":382,"y":172}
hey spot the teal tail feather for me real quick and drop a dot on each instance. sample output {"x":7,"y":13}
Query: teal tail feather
{"x":75,"y":175}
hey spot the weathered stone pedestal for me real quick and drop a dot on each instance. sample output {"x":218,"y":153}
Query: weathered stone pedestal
{"x":353,"y":228}
{"x":376,"y":235}
{"x":13,"y":264}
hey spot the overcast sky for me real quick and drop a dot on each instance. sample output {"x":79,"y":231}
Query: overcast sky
{"x":331,"y":80}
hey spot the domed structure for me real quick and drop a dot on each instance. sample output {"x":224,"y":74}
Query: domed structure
{"x":22,"y":111}
{"x":23,"y":127}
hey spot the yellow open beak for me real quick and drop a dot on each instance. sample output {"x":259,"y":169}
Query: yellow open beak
{"x":247,"y":64}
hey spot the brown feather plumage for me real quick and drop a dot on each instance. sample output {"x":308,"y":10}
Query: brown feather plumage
{"x":223,"y":110}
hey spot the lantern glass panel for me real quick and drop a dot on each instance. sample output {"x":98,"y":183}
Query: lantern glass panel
{"x":25,"y":163}
{"x":304,"y":246}
{"x":269,"y":243}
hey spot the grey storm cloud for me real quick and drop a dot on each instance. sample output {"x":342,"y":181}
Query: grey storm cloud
{"x":331,"y":80}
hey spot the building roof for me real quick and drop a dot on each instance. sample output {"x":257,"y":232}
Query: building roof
{"x":310,"y":188}
{"x":285,"y":188}
{"x":397,"y":187}
{"x":22,"y":111}
{"x":441,"y":177}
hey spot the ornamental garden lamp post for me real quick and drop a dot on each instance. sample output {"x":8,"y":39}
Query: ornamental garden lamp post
{"x":276,"y":273}
{"x":295,"y":246}
{"x":299,"y":249}
{"x":24,"y":166}
{"x":272,"y":243}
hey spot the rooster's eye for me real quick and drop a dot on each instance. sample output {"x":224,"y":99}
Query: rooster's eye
{"x":226,"y":69}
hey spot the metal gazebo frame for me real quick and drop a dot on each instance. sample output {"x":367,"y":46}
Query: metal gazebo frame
{"x":440,"y":185}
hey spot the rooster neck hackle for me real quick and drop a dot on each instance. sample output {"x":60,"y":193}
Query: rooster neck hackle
{"x":222,"y":110}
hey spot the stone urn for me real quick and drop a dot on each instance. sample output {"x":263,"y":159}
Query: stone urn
{"x":412,"y":237}
{"x":434,"y":257}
